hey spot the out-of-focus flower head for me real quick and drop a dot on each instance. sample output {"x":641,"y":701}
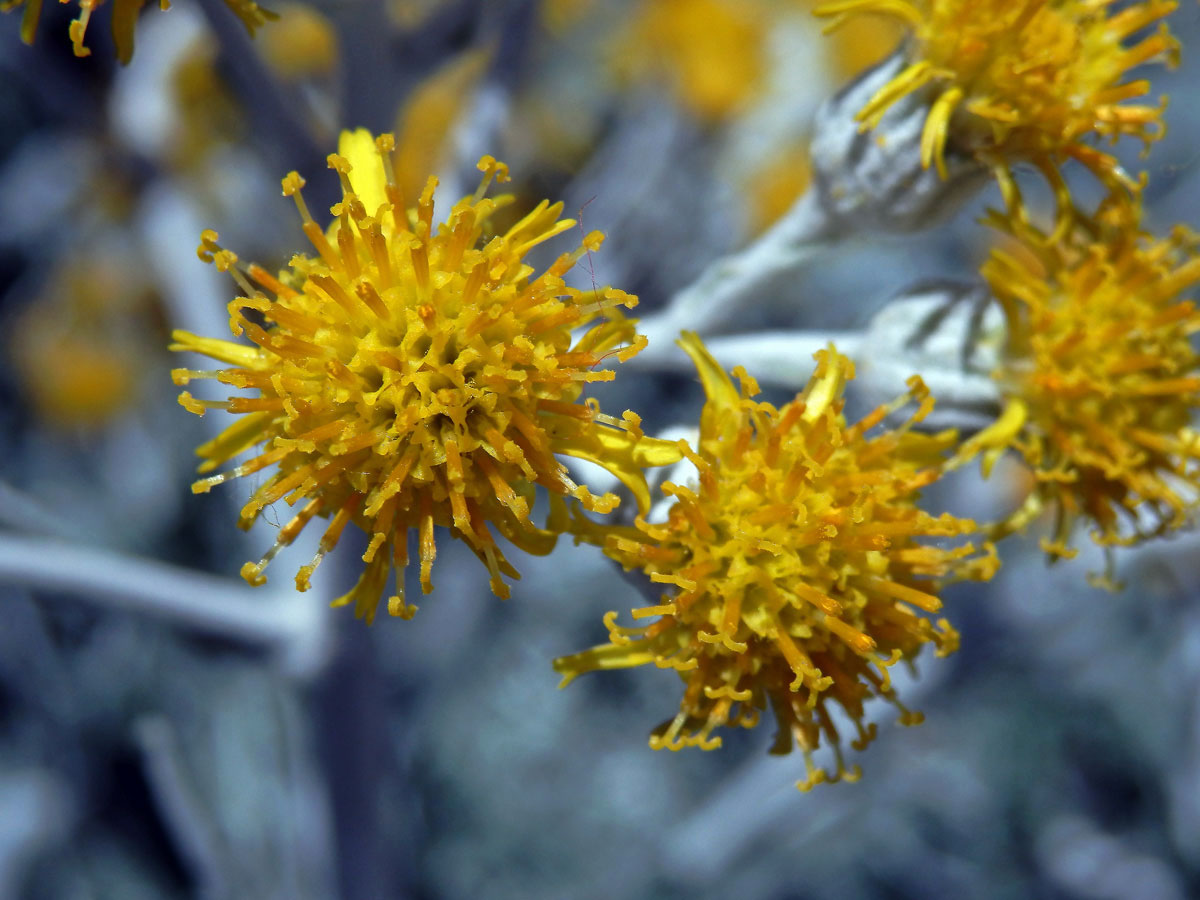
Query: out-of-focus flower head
{"x":775,"y":186}
{"x":1024,"y":80}
{"x":124,"y":20}
{"x":558,"y":15}
{"x":711,"y":53}
{"x":1101,"y":379}
{"x":301,"y":44}
{"x":414,"y":374}
{"x":411,"y":14}
{"x":83,"y":346}
{"x":206,"y":113}
{"x":795,"y":569}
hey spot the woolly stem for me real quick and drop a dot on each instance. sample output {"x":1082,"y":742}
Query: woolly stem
{"x":781,"y":358}
{"x":741,"y":281}
{"x":284,"y":624}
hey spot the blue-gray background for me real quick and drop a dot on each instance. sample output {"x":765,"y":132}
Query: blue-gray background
{"x":143,"y":757}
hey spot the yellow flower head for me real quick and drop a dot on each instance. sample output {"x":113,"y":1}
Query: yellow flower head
{"x":1028,"y":80}
{"x":414,"y":374}
{"x":1102,"y":380}
{"x":795,"y":572}
{"x":124,"y":19}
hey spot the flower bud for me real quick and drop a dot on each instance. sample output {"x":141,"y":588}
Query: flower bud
{"x":874,"y":179}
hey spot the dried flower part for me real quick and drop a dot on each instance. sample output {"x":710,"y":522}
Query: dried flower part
{"x":124,"y":20}
{"x":413,"y":375}
{"x":1030,"y":80}
{"x":1101,"y":379}
{"x":795,"y":573}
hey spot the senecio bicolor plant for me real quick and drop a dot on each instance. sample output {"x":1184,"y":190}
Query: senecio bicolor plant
{"x":417,"y":373}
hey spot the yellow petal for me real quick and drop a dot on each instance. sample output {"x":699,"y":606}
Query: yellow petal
{"x":248,"y":357}
{"x":827,"y":383}
{"x":124,"y":18}
{"x":622,"y":454}
{"x":718,"y":386}
{"x":368,"y":590}
{"x":245,"y":432}
{"x":29,"y":20}
{"x":430,"y":112}
{"x":366,"y":168}
{"x":605,"y":656}
{"x":996,"y":438}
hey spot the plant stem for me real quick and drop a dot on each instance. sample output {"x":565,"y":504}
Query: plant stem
{"x":782,"y":358}
{"x":741,"y":281}
{"x":279,"y":622}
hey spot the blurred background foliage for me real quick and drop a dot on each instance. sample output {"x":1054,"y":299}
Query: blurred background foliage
{"x":144,"y":756}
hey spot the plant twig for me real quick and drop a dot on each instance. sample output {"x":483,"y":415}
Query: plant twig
{"x":781,"y":358}
{"x":741,"y":281}
{"x":22,"y":512}
{"x":281,"y":623}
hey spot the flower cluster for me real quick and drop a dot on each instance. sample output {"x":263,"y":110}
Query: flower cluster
{"x":412,"y":375}
{"x":1101,"y":379}
{"x":796,"y":567}
{"x":1098,"y":377}
{"x":409,"y":375}
{"x":1031,"y":80}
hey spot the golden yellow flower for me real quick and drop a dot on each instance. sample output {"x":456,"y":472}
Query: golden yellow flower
{"x":794,"y":569}
{"x":124,"y":20}
{"x":1024,"y":80}
{"x":1101,"y":380}
{"x":414,"y":375}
